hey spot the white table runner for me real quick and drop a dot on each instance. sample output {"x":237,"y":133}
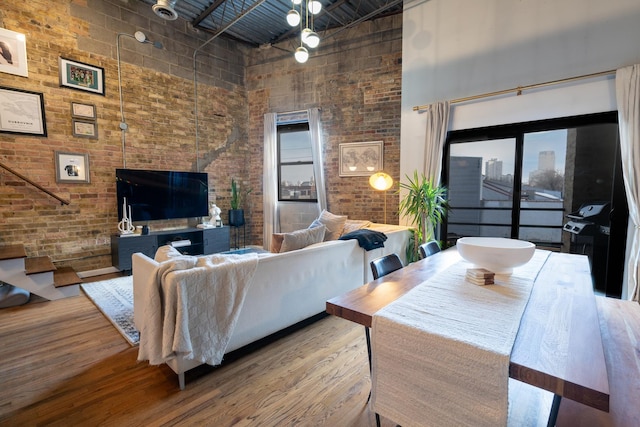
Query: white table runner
{"x":441,"y":352}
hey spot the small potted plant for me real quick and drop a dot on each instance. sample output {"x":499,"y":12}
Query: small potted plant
{"x":236,"y":213}
{"x":425,"y":204}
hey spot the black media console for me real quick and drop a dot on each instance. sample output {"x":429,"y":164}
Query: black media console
{"x":189,"y":241}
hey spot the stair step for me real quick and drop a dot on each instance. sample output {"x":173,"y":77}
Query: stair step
{"x":65,"y":276}
{"x":41,"y":264}
{"x":12,"y":252}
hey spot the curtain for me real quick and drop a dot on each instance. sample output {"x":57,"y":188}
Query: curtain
{"x":437,"y":124}
{"x":628,"y":100}
{"x":318,"y":164}
{"x":270,"y":179}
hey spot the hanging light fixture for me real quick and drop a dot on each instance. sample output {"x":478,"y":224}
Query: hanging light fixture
{"x":308,"y":8}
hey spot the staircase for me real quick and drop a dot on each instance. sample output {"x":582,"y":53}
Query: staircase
{"x":37,"y":275}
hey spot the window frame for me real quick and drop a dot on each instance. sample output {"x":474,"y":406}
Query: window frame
{"x":290,"y":128}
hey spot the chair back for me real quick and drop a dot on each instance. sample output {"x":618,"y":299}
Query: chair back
{"x":385,"y":265}
{"x":429,"y":248}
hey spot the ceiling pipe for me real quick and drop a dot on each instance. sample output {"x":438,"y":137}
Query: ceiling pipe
{"x":142,"y":38}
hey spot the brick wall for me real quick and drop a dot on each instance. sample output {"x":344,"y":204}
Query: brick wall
{"x":354,"y":79}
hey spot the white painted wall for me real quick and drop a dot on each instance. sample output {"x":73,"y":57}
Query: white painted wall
{"x":457,"y":48}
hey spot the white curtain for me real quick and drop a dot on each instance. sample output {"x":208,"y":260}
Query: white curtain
{"x":628,"y":99}
{"x":437,"y":124}
{"x":315,"y":130}
{"x":270,"y":179}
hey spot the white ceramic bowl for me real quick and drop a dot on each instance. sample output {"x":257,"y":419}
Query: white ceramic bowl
{"x":496,"y":254}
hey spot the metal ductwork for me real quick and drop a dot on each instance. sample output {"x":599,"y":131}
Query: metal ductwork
{"x":164,"y":9}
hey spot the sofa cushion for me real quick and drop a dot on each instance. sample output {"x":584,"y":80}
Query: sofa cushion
{"x":276,"y":242}
{"x":302,"y":238}
{"x":354,"y":224}
{"x":333,"y":223}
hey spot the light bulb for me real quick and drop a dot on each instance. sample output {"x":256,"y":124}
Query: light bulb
{"x":296,"y":2}
{"x":301,"y":55}
{"x":304,"y":34}
{"x":315,"y":7}
{"x":293,"y":18}
{"x":312,"y":40}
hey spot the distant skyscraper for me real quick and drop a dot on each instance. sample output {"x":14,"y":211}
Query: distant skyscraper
{"x":547,"y":160}
{"x":493,"y":169}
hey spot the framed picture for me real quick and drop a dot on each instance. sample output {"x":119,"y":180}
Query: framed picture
{"x":13,"y":53}
{"x":77,"y":75}
{"x":360,"y":158}
{"x":83,"y":111}
{"x":22,"y":112}
{"x":72,"y":167}
{"x":85,"y":129}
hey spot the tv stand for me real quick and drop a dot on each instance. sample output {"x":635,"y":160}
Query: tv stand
{"x":189,"y":241}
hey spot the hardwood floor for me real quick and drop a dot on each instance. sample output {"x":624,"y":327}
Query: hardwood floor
{"x":63,"y":363}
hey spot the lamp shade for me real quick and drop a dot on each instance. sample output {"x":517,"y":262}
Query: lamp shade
{"x":301,"y":55}
{"x":293,"y":18}
{"x":312,"y":39}
{"x":380,"y":181}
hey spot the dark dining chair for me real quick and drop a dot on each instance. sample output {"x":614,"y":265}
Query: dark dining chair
{"x":385,"y":265}
{"x":429,"y":248}
{"x":381,"y":267}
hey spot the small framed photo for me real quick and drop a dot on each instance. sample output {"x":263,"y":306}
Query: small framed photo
{"x":72,"y":167}
{"x":77,"y":75}
{"x":13,"y":53}
{"x":22,"y":112}
{"x":83,"y":111}
{"x":85,"y":129}
{"x":360,"y":158}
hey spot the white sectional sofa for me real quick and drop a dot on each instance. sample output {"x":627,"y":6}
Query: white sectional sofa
{"x":286,"y":288}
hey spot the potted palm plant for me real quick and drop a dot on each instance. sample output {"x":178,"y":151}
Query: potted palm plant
{"x":236,"y":213}
{"x":425,"y":204}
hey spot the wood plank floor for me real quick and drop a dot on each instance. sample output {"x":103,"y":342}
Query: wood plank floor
{"x":63,"y":363}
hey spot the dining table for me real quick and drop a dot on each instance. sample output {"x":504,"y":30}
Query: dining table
{"x":564,"y":357}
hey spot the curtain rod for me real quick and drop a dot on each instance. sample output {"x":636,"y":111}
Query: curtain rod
{"x":519,"y":89}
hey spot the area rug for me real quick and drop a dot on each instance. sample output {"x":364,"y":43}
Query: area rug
{"x":114,"y":298}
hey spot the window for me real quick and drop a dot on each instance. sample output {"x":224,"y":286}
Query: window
{"x":296,"y":181}
{"x":519,"y":181}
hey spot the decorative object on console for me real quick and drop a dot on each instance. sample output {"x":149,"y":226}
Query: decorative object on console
{"x":125,"y":226}
{"x":425,"y":205}
{"x":382,"y":182}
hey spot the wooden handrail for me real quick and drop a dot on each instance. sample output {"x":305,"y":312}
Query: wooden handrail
{"x":38,"y":186}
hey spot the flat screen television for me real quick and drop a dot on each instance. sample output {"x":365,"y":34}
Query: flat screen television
{"x":155,"y":195}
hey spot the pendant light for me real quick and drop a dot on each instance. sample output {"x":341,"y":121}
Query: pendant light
{"x":308,"y":36}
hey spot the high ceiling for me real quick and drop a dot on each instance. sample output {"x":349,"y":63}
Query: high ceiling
{"x":263,"y":22}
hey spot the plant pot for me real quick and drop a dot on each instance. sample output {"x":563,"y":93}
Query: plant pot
{"x":236,"y":217}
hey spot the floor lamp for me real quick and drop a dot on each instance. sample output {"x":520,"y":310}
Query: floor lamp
{"x":381,"y":182}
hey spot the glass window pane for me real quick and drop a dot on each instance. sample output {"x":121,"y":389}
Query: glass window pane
{"x":543,"y":180}
{"x":481,"y":188}
{"x":295,"y":147}
{"x":297,"y":182}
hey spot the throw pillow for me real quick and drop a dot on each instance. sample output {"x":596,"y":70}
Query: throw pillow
{"x":276,"y":242}
{"x":354,"y":224}
{"x":302,"y":238}
{"x":333,"y":223}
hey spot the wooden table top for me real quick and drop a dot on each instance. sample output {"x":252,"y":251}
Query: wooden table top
{"x":558,"y":347}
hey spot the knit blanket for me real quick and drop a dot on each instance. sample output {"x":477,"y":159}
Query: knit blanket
{"x":193,"y":306}
{"x":367,"y":239}
{"x":441,"y":352}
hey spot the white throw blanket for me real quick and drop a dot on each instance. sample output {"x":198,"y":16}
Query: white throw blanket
{"x":192,"y":307}
{"x":441,"y":352}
